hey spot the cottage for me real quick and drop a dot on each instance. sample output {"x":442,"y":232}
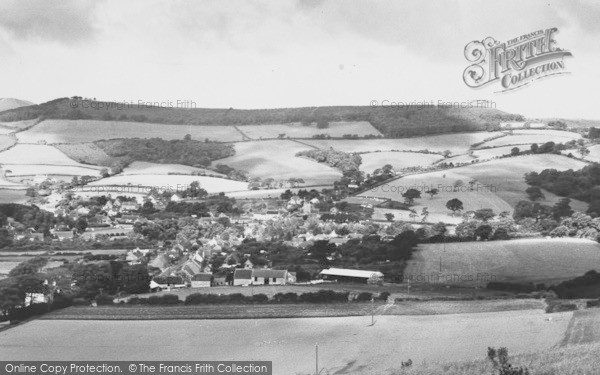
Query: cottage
{"x":355,"y":276}
{"x":242,"y":277}
{"x":202,"y":280}
{"x":269,"y":277}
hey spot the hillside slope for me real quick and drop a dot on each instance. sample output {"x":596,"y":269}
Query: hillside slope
{"x":7,"y":104}
{"x":390,"y":121}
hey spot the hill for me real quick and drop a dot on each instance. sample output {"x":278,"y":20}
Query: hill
{"x":7,"y":104}
{"x":527,"y":260}
{"x":390,"y":121}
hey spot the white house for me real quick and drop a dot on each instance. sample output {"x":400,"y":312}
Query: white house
{"x":202,"y":280}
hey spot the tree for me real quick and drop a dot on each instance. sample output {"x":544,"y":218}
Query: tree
{"x":6,"y":238}
{"x":411,"y":195}
{"x":562,"y":208}
{"x":432,"y":192}
{"x":424,"y":214}
{"x":514,"y":151}
{"x":534,"y":193}
{"x":322,"y":124}
{"x":389,"y":216}
{"x":500,"y":234}
{"x":484,"y":214}
{"x":439,"y":228}
{"x":454,"y":205}
{"x":446,"y":153}
{"x":31,"y":284}
{"x":534,"y":148}
{"x":483,"y":232}
{"x":10,"y":297}
{"x":134,"y":279}
{"x":583,"y":151}
{"x":81,"y":225}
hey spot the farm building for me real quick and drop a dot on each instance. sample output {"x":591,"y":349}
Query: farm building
{"x":353,"y":276}
{"x":242,"y":277}
{"x":261,"y":277}
{"x":202,"y":280}
{"x":269,"y":277}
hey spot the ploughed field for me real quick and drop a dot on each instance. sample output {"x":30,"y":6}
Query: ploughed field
{"x":349,"y":344}
{"x":528,"y":260}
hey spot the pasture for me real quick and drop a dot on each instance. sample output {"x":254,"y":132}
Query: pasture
{"x":399,"y":160}
{"x":23,"y":170}
{"x":29,"y":154}
{"x":87,"y":153}
{"x":169,"y":182}
{"x":11,"y":192}
{"x":457,"y":143}
{"x":530,"y":136}
{"x":348,"y":344}
{"x":297,"y":130}
{"x":525,"y":260}
{"x":498,"y":184}
{"x":19,"y":124}
{"x":6,"y":141}
{"x":277,"y":159}
{"x":77,"y":131}
{"x":142,"y":167}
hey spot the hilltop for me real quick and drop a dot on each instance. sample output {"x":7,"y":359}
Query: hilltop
{"x":7,"y":104}
{"x":391,"y":122}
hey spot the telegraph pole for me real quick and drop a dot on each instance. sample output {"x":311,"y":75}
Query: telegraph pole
{"x":316,"y":359}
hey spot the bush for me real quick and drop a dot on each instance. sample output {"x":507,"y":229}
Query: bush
{"x":383,"y":296}
{"x":593,"y":303}
{"x":511,"y":287}
{"x":285,"y":298}
{"x":364,"y":297}
{"x":324,"y":296}
{"x":104,"y":299}
{"x":22,"y":313}
{"x":559,"y":306}
{"x":260,"y":298}
{"x":167,"y":299}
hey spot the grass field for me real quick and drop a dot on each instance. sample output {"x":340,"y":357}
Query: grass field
{"x":173,"y":182}
{"x":29,"y":154}
{"x":297,"y":130}
{"x":19,"y":124}
{"x":499,"y":185}
{"x":142,"y":167}
{"x":77,"y":131}
{"x":12,"y":195}
{"x":348,"y":345}
{"x":88,"y":153}
{"x":6,"y":141}
{"x":526,"y":260}
{"x":20,"y":170}
{"x":398,"y":160}
{"x":277,"y":159}
{"x":531,"y":136}
{"x":457,"y":143}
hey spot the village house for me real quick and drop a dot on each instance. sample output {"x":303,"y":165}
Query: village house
{"x":202,"y":280}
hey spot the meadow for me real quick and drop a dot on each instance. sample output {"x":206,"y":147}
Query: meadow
{"x":77,"y":131}
{"x":6,"y":141}
{"x":171,"y":182}
{"x":277,"y":159}
{"x":297,"y":130}
{"x":348,"y":344}
{"x":499,"y":185}
{"x":528,"y":137}
{"x":87,"y":153}
{"x":525,"y":260}
{"x":142,"y":167}
{"x":457,"y":143}
{"x":29,"y":154}
{"x":398,"y":160}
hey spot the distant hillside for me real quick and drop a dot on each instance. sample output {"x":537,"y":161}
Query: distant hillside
{"x":392,"y":122}
{"x":7,"y":104}
{"x":572,"y":123}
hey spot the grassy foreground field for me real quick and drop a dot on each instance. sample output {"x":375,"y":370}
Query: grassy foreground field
{"x":528,"y":260}
{"x":350,"y":345}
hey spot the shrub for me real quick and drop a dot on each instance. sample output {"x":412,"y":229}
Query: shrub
{"x":324,"y":296}
{"x":383,"y":296}
{"x":511,"y":287}
{"x":167,"y":299}
{"x":260,"y":298}
{"x":363,"y":297}
{"x":104,"y":299}
{"x":285,"y":298}
{"x":593,"y":303}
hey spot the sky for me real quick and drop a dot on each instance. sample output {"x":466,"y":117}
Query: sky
{"x":288,"y":53}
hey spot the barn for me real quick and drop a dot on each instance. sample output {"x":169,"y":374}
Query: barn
{"x":202,"y":280}
{"x":351,"y":276}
